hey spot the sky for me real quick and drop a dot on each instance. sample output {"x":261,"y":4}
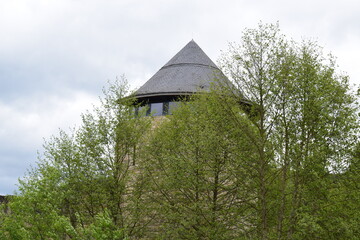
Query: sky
{"x":56,"y":56}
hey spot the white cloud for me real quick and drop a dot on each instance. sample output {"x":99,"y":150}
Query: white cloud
{"x":24,"y":125}
{"x":22,"y":122}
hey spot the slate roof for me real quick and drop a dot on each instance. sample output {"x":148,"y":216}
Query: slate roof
{"x":189,"y":71}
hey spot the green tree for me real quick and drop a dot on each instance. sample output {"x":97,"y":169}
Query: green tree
{"x":196,"y":160}
{"x":84,"y":183}
{"x":305,"y":116}
{"x":273,"y":156}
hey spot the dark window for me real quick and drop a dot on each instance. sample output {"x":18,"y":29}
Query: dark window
{"x":156,"y":109}
{"x":142,"y":110}
{"x":172,"y":106}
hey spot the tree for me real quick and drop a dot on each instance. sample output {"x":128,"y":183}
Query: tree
{"x":195,"y":160}
{"x":306,"y":126}
{"x":274,"y":156}
{"x":84,"y":184}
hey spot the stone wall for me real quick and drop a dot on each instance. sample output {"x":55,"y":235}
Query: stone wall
{"x":4,"y":200}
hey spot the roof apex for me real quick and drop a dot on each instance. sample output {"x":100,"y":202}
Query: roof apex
{"x":188,"y":72}
{"x":191,"y":54}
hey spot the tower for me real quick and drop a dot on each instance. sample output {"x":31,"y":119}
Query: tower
{"x":188,"y":72}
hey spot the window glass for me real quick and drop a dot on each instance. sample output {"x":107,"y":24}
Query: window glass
{"x":141,"y":111}
{"x":172,"y":107}
{"x":156,"y":109}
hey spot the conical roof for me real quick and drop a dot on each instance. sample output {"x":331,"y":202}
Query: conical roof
{"x":189,"y":71}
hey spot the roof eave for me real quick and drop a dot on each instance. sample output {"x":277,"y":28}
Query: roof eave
{"x":149,"y":95}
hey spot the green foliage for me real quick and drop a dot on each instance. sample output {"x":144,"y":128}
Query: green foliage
{"x":200,"y":166}
{"x":83,"y":182}
{"x":307,"y":126}
{"x":104,"y":228}
{"x":273,"y":157}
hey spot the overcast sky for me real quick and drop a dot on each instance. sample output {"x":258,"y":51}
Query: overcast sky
{"x":56,"y":56}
